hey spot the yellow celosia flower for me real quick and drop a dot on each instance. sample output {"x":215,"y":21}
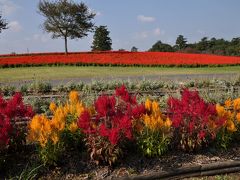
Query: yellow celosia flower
{"x":168,"y":123}
{"x":147,"y":120}
{"x":212,"y":125}
{"x":42,"y":140}
{"x":148,"y":104}
{"x":58,"y":124}
{"x":154,"y":120}
{"x":52,"y":106}
{"x":159,"y":122}
{"x":73,"y":96}
{"x":228,"y":103}
{"x":231,"y":126}
{"x":236,"y":104}
{"x":91,"y":110}
{"x":55,"y":138}
{"x":220,"y":110}
{"x":35,"y":124}
{"x":155,"y":107}
{"x":238,"y":117}
{"x":43,"y":130}
{"x":79,"y":108}
{"x":73,"y":127}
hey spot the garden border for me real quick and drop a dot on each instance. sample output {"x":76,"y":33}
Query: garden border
{"x":192,"y":171}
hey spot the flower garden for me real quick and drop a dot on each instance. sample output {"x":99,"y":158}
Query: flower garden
{"x":123,"y":58}
{"x":109,"y":127}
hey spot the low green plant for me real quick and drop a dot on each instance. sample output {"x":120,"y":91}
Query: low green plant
{"x":29,"y":173}
{"x":154,"y":134}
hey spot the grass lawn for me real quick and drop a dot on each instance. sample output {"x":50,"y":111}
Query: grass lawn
{"x":63,"y":72}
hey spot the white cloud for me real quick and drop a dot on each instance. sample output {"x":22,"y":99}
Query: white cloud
{"x":7,"y":7}
{"x":143,"y":18}
{"x":158,"y":32}
{"x":15,"y":26}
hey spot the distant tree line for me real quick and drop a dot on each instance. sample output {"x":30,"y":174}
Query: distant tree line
{"x":204,"y":46}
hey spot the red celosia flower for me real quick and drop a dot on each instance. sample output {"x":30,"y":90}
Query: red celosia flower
{"x":114,"y":115}
{"x":125,"y":96}
{"x":114,"y":135}
{"x":190,"y":116}
{"x":105,"y":105}
{"x":84,"y":122}
{"x":11,"y":111}
{"x":103,"y":131}
{"x":201,"y":135}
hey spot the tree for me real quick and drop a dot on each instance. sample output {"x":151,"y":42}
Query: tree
{"x":161,"y":47}
{"x":203,"y":44}
{"x":101,"y":39}
{"x":66,"y":19}
{"x":134,"y":49}
{"x":181,"y":42}
{"x":3,"y":24}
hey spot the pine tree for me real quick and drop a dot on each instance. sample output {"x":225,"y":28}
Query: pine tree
{"x":101,"y":39}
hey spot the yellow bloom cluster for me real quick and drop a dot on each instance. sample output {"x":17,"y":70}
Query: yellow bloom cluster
{"x":230,"y":111}
{"x":154,"y":119}
{"x":43,"y":130}
{"x":236,"y":104}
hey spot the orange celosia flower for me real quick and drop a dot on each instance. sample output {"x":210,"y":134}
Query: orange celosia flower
{"x":73,"y":97}
{"x":238,"y":117}
{"x":168,"y":123}
{"x":73,"y":127}
{"x":52,"y":106}
{"x":154,"y":120}
{"x":220,"y":110}
{"x":236,"y":104}
{"x":231,"y":126}
{"x":55,"y":138}
{"x":228,"y":103}
{"x":148,"y":105}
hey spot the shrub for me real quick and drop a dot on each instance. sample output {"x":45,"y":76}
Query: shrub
{"x":109,"y":125}
{"x":191,"y":117}
{"x":154,"y":136}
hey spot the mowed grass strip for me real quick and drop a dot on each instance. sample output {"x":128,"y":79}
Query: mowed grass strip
{"x":64,"y":72}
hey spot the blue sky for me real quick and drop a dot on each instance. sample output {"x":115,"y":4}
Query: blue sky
{"x":137,"y":23}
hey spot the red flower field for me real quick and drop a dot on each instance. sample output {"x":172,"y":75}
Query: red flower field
{"x":118,"y":58}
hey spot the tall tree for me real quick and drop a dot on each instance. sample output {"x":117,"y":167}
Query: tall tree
{"x":101,"y":39}
{"x":3,"y":24}
{"x":181,"y":42}
{"x":66,"y":19}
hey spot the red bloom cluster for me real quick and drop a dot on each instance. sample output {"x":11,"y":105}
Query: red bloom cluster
{"x":11,"y":111}
{"x":191,"y":116}
{"x":119,"y":58}
{"x":113,"y":118}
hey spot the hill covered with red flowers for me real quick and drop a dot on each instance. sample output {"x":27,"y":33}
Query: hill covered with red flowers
{"x":117,"y":58}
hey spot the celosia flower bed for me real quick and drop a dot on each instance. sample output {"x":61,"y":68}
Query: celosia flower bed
{"x":118,"y":58}
{"x":114,"y":123}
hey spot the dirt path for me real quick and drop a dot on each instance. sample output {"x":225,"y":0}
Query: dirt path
{"x":172,"y":77}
